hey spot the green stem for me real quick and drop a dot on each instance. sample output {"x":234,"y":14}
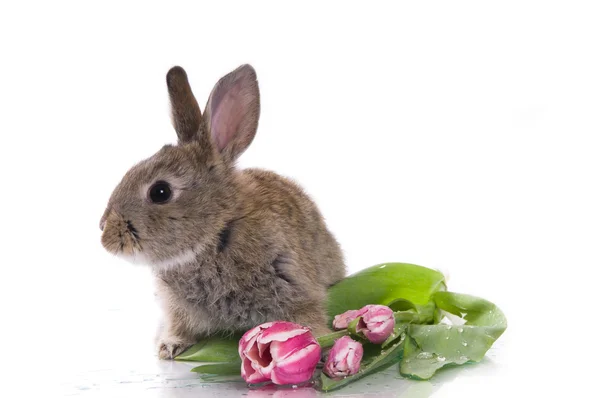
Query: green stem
{"x":406,"y":316}
{"x":327,"y":340}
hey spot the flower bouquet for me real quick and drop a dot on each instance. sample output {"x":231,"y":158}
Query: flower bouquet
{"x":388,"y":314}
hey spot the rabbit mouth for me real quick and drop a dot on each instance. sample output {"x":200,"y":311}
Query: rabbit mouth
{"x":119,"y":236}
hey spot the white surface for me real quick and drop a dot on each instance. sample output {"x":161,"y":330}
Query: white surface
{"x":455,"y":135}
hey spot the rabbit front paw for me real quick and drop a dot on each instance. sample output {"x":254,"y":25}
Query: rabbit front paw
{"x":169,"y":348}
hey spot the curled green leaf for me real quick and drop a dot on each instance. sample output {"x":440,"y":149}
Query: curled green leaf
{"x":432,"y":347}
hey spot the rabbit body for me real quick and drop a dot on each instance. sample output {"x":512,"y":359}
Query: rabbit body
{"x":229,"y":248}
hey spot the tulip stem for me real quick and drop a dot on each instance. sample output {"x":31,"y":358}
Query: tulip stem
{"x":327,"y":340}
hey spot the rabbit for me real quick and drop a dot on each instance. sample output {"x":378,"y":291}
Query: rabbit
{"x":229,"y":249}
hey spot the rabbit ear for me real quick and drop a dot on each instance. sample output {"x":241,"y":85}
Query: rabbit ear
{"x":232,"y":112}
{"x":186,"y":113}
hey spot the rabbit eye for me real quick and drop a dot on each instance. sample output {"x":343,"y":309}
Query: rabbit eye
{"x":160,"y":192}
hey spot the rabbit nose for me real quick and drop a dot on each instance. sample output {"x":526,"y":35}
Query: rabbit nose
{"x":103,"y":219}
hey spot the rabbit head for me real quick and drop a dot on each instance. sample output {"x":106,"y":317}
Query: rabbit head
{"x":167,"y":207}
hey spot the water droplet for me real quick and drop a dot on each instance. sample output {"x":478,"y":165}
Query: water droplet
{"x":294,"y":386}
{"x":447,"y":337}
{"x":460,"y":330}
{"x":424,"y":355}
{"x":463,"y":358}
{"x":464,"y":343}
{"x":449,"y":327}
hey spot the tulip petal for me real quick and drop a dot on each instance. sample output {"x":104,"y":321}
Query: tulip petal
{"x":354,"y":358}
{"x":254,"y":331}
{"x":251,"y":375}
{"x":282,"y":349}
{"x":380,"y":333}
{"x":251,"y":352}
{"x":377,"y":318}
{"x":249,"y":337}
{"x":298,"y":367}
{"x":262,"y":348}
{"x":379,"y":327}
{"x":281,"y":331}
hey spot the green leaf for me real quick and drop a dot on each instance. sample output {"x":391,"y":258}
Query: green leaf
{"x":401,"y":317}
{"x":385,"y":284}
{"x":220,"y":369}
{"x":476,"y":311}
{"x":214,"y":349}
{"x":374,"y":360}
{"x":219,"y":372}
{"x":432,"y":347}
{"x":356,"y":335}
{"x":402,"y":305}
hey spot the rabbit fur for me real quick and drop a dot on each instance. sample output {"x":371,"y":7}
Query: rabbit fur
{"x":229,"y":249}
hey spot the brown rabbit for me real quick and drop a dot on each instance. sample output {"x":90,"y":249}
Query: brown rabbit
{"x":230,"y":249}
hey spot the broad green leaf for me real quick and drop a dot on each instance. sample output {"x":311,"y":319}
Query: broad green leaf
{"x":219,"y":369}
{"x":432,"y":347}
{"x":374,"y":359}
{"x":214,"y":349}
{"x":220,"y":372}
{"x":385,"y":284}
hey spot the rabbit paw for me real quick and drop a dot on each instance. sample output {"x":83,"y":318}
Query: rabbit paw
{"x":169,"y":348}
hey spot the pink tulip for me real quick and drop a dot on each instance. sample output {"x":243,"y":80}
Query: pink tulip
{"x":344,"y":358}
{"x":376,"y":322}
{"x":281,"y":352}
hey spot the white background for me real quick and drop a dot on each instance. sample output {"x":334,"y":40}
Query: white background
{"x":455,"y":135}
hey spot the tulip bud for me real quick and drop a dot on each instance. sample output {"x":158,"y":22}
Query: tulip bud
{"x":377,"y":323}
{"x":342,"y":321}
{"x":344,"y":358}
